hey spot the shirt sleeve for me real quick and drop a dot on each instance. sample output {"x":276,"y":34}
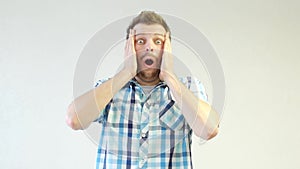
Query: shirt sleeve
{"x":195,"y":86}
{"x":99,"y":82}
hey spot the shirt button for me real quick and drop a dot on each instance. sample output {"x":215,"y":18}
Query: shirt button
{"x":144,"y":135}
{"x":142,"y":162}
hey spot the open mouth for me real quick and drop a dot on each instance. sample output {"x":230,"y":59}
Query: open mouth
{"x":149,"y":62}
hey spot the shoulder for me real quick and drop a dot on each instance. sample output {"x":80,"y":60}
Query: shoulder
{"x":195,"y":86}
{"x":99,"y":82}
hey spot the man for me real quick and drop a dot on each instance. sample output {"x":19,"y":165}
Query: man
{"x":148,"y":114}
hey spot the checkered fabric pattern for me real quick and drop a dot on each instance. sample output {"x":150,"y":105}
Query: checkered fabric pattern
{"x":146,"y":130}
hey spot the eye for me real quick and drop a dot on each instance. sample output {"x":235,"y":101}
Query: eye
{"x":158,"y":41}
{"x":140,"y":41}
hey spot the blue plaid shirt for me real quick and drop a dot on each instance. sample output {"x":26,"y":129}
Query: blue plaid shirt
{"x":145,"y":130}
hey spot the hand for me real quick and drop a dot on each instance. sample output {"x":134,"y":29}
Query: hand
{"x":166,"y":69}
{"x":130,"y":55}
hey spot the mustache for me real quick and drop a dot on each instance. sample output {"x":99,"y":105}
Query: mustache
{"x":149,"y":54}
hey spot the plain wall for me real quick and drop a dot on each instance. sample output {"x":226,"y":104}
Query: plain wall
{"x":256,"y":42}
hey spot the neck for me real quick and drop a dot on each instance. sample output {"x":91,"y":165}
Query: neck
{"x":147,"y":82}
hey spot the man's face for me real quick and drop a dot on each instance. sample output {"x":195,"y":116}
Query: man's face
{"x":149,"y":43}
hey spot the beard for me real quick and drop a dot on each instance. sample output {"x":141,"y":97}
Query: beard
{"x":148,"y":75}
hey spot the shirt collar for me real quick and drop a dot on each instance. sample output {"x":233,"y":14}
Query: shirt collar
{"x":133,"y":81}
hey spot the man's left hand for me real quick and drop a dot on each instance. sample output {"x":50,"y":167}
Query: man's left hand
{"x":166,"y":68}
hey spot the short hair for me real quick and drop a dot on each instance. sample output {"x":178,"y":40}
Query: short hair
{"x":149,"y":18}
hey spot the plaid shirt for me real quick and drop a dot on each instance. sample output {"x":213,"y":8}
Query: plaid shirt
{"x":145,"y":131}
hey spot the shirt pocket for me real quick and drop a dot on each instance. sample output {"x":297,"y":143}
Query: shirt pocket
{"x":122,"y":121}
{"x":170,"y":116}
{"x":121,"y":112}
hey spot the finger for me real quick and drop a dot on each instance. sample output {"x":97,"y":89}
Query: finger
{"x":169,"y":42}
{"x":129,"y":41}
{"x":167,"y":46}
{"x":168,"y":36}
{"x":128,"y":48}
{"x":132,"y":41}
{"x":127,"y":44}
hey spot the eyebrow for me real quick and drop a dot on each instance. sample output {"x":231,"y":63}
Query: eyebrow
{"x":159,"y":34}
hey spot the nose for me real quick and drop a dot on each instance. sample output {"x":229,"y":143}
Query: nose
{"x":149,"y":49}
{"x":149,"y":46}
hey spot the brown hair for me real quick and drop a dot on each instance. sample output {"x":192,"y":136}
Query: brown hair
{"x":149,"y":18}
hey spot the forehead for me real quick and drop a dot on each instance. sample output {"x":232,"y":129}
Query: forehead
{"x":155,"y":29}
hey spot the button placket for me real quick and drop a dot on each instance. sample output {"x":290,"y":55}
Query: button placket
{"x":144,"y":130}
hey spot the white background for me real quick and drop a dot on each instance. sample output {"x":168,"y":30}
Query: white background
{"x":256,"y":41}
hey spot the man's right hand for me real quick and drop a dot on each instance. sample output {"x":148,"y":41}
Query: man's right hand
{"x":130,"y":55}
{"x":86,"y":108}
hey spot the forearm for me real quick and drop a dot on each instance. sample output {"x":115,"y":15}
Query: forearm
{"x":202,"y":118}
{"x":86,"y":108}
